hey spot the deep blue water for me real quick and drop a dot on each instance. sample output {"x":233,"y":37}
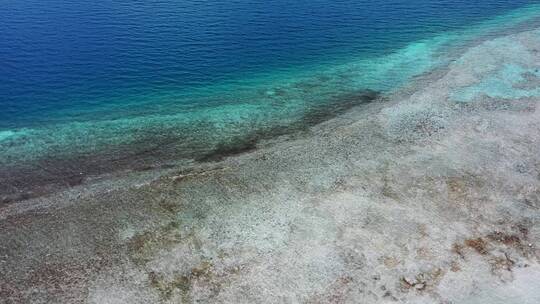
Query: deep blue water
{"x":73,"y":54}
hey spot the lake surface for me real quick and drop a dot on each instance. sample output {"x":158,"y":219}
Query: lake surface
{"x":86,"y":86}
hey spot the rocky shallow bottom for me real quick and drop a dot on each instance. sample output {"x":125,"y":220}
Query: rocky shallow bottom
{"x":430,"y":195}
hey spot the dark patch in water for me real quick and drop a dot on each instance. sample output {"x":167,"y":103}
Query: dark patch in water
{"x":19,"y":182}
{"x":338,"y":105}
{"x":234,"y":147}
{"x":317,"y":114}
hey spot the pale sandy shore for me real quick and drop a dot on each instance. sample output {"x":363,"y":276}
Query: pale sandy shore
{"x":430,"y":195}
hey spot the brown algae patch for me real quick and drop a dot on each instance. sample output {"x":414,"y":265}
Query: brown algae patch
{"x":478,"y":244}
{"x":497,"y":248}
{"x":462,"y":187}
{"x":204,"y":276}
{"x":180,"y":283}
{"x":422,"y":281}
{"x":142,"y":247}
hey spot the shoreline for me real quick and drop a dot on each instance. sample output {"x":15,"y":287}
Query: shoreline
{"x":422,"y":198}
{"x":23,"y":182}
{"x":26,"y":178}
{"x":41,"y":163}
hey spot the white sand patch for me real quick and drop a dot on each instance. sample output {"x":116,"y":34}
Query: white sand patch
{"x":6,"y":134}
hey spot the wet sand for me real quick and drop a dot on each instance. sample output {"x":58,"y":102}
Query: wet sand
{"x":418,"y":197}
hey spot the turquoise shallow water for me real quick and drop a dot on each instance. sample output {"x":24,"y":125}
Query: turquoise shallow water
{"x":65,"y":120}
{"x":504,"y":83}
